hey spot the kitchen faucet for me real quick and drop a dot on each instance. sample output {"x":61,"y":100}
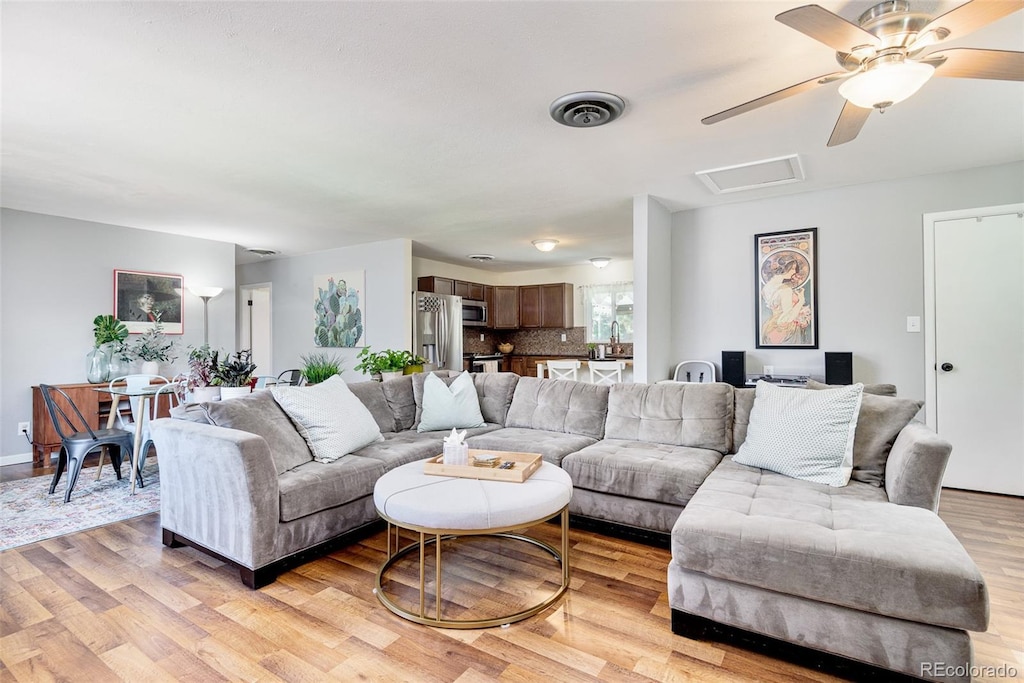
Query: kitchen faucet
{"x":615,"y":332}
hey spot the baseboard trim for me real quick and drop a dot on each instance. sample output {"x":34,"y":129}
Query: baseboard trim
{"x":266,"y":575}
{"x":15,"y":459}
{"x":701,"y":628}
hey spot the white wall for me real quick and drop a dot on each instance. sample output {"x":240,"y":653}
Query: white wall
{"x":57,"y":275}
{"x":870,"y":267}
{"x":387,"y":321}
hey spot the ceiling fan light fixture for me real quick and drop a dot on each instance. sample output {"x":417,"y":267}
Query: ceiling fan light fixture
{"x":886,"y":84}
{"x":545,"y":244}
{"x":600,"y":261}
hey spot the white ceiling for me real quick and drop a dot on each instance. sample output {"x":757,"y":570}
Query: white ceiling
{"x":301,"y":126}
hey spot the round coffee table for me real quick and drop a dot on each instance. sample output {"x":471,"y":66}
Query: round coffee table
{"x":442,"y":507}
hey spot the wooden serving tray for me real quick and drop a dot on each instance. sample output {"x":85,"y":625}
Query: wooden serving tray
{"x":526,"y":465}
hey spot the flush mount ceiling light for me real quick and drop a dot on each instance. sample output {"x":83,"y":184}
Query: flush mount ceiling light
{"x":600,"y":261}
{"x":545,"y":245}
{"x":482,"y":258}
{"x":261,"y":252}
{"x":884,"y":83}
{"x":586,"y":109}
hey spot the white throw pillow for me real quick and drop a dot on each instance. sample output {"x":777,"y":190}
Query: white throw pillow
{"x":803,"y":434}
{"x":445,"y":407}
{"x":330,"y":418}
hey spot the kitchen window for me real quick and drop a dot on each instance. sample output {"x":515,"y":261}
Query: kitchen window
{"x":605,"y":304}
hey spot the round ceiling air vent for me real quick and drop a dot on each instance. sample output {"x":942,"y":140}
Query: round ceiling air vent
{"x":483,"y":258}
{"x":586,"y":109}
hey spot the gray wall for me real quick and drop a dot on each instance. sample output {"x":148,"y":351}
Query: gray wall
{"x":388,"y":302}
{"x":870,"y":266}
{"x":57,"y":275}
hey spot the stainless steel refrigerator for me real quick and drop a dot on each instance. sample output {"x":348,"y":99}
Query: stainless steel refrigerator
{"x":437,"y":329}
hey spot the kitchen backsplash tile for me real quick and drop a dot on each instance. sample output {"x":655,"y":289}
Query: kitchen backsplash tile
{"x":531,"y":342}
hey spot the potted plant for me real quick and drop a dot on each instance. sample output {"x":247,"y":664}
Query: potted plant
{"x":197,"y":383}
{"x":105,"y":361}
{"x":152,"y":348}
{"x":234,"y":375}
{"x":317,"y":367}
{"x":386,"y":364}
{"x":415,"y":364}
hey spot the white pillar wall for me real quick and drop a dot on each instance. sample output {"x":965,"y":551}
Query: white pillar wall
{"x":652,"y":292}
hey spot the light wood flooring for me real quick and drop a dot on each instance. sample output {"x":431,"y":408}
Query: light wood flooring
{"x":113,"y":604}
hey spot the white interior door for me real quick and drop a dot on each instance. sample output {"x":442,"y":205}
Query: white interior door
{"x":976,"y":353}
{"x":255,"y":329}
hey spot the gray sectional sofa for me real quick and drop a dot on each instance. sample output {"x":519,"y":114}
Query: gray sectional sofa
{"x":866,"y":573}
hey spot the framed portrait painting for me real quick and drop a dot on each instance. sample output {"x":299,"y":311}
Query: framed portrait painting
{"x":140,"y":299}
{"x":786,"y":277}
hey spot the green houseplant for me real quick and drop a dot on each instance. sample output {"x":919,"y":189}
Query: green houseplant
{"x":152,"y":348}
{"x":380,"y":362}
{"x":110,"y":355}
{"x":235,"y":371}
{"x":317,"y":367}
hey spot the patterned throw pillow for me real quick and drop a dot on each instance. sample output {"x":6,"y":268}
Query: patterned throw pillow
{"x":330,"y":418}
{"x":803,"y":434}
{"x":447,"y":406}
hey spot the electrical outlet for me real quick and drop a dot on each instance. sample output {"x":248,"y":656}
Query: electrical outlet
{"x":481,"y":336}
{"x":563,"y":336}
{"x":769,"y":370}
{"x":23,"y":427}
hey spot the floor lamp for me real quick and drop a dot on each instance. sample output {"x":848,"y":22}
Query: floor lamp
{"x":206,"y":293}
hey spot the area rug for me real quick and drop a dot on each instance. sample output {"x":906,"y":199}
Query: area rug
{"x":28,"y":514}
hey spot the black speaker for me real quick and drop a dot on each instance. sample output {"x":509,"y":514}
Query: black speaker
{"x":734,"y":368}
{"x":838,"y":368}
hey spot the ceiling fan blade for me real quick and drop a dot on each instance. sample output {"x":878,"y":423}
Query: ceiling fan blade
{"x":960,"y":21}
{"x":851,"y":120}
{"x":965,"y":62}
{"x":776,"y":96}
{"x":826,"y":27}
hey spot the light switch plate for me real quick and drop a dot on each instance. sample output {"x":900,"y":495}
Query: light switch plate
{"x":913,"y":323}
{"x":563,"y":336}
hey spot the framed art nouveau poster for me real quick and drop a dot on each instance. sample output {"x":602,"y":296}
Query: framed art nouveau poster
{"x":786,"y":279}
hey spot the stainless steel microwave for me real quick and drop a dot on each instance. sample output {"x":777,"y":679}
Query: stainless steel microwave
{"x":474,"y":313}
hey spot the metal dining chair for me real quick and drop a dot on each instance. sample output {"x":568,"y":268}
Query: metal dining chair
{"x":564,"y":369}
{"x":78,"y":438}
{"x":606,"y":371}
{"x":291,"y":378}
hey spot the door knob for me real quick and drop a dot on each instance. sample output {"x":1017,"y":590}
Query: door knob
{"x":946,"y":367}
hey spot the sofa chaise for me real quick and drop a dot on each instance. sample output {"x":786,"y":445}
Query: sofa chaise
{"x":866,"y":573}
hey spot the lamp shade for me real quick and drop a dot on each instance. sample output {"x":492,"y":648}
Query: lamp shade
{"x":545,"y":244}
{"x":886,"y":84}
{"x":600,"y":261}
{"x":206,"y":292}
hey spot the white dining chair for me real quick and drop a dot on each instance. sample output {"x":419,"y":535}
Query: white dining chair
{"x":118,"y":419}
{"x":694,"y":371}
{"x":563,"y":369}
{"x":606,"y":371}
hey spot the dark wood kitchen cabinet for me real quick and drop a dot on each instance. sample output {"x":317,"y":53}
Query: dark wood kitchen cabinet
{"x":437,"y":285}
{"x":547,"y":306}
{"x":517,"y":364}
{"x":469,"y":290}
{"x":505,"y":311}
{"x":489,"y":300}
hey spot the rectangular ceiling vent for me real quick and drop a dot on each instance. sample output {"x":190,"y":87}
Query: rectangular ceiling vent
{"x":753,"y":175}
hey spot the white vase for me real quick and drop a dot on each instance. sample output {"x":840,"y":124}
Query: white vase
{"x":150,"y":367}
{"x":204,"y":394}
{"x":234,"y":392}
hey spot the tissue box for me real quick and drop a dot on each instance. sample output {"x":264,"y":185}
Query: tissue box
{"x":525,"y":465}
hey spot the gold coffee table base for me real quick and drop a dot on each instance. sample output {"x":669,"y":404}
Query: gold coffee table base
{"x":428,"y":536}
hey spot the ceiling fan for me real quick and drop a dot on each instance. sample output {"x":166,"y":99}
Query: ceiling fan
{"x":883,"y":56}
